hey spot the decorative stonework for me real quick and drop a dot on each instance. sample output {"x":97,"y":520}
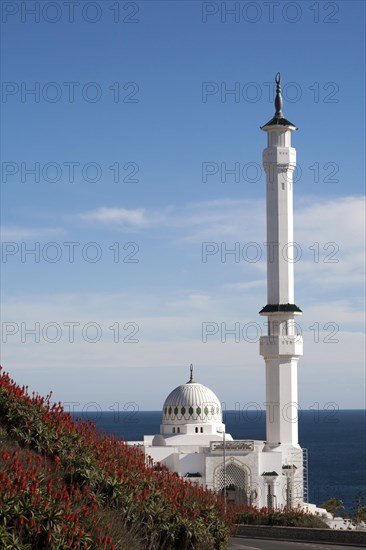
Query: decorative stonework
{"x":236,"y":445}
{"x":192,"y":402}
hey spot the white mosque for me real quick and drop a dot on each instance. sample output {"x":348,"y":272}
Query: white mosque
{"x":193,"y":440}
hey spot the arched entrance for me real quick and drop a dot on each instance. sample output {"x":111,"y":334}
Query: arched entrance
{"x":236,"y":480}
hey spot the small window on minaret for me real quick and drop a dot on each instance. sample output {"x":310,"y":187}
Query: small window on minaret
{"x":201,"y":430}
{"x":173,"y":430}
{"x":178,"y":430}
{"x":196,"y":430}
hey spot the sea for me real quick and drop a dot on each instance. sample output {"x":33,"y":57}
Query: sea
{"x":335,"y":440}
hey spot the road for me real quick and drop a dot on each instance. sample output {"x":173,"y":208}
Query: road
{"x":242,"y":543}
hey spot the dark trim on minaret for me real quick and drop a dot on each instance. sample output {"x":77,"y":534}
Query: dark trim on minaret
{"x":278,"y":119}
{"x":278,"y":100}
{"x":274,"y":308}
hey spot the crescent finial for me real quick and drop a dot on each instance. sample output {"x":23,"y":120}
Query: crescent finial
{"x":278,"y":100}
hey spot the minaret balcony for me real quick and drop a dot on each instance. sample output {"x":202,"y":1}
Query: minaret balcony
{"x":274,"y":346}
{"x":280,"y":155}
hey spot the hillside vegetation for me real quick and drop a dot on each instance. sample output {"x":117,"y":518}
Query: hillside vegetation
{"x":65,"y":485}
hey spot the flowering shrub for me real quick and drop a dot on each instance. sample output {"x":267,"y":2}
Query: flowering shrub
{"x":65,"y":485}
{"x":250,"y":515}
{"x":36,"y":505}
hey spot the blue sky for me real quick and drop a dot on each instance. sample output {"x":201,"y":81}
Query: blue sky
{"x":172,"y":131}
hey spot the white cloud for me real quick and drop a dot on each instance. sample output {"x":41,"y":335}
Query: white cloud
{"x":246,"y":285}
{"x":120,"y":216}
{"x":219,"y":219}
{"x":339,"y":220}
{"x":17,"y":233}
{"x":191,"y":301}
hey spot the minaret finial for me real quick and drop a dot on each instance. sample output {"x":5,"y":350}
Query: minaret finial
{"x":278,"y":100}
{"x":191,"y":371}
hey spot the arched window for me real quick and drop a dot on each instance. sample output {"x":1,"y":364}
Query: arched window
{"x":196,"y":430}
{"x":201,"y":430}
{"x":173,"y":430}
{"x":178,"y":430}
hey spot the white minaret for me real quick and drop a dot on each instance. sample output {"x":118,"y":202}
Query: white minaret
{"x":281,"y":348}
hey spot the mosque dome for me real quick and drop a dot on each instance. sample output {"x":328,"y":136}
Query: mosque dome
{"x":192,"y":403}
